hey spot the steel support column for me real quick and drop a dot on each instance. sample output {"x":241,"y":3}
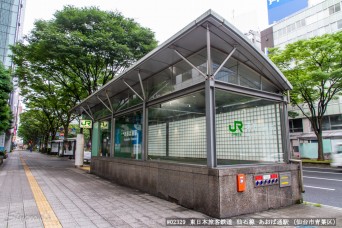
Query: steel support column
{"x":210,"y":108}
{"x":144,"y":132}
{"x":112,"y":137}
{"x":285,"y":132}
{"x":210,"y":122}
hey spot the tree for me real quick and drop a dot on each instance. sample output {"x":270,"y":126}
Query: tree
{"x":77,"y":52}
{"x":5,"y":89}
{"x":33,"y":126}
{"x":82,"y":49}
{"x":51,"y":100}
{"x":314,"y":68}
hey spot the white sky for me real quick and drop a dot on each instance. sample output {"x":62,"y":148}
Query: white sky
{"x":165,"y":18}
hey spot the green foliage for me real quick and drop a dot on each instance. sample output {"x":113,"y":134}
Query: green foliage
{"x":64,"y":60}
{"x":82,"y":49}
{"x":314,"y":68}
{"x":5,"y":89}
{"x":293,"y":114}
{"x":32,"y":126}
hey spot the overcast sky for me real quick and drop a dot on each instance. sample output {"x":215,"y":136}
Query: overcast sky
{"x":164,"y":18}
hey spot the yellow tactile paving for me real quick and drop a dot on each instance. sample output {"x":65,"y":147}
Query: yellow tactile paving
{"x":48,"y":215}
{"x":86,"y":168}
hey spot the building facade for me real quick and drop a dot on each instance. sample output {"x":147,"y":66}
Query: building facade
{"x":192,"y":117}
{"x":322,"y":18}
{"x":11,"y":26}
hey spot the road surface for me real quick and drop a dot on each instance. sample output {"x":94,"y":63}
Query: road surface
{"x":323,"y":186}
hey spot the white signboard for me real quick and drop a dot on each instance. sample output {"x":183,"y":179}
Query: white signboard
{"x":54,"y":148}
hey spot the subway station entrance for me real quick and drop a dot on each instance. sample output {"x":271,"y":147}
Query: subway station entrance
{"x":201,"y":121}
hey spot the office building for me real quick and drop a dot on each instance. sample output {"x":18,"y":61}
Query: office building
{"x":322,"y":18}
{"x":11,"y":25}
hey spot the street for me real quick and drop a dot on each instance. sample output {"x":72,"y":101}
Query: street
{"x":323,"y":185}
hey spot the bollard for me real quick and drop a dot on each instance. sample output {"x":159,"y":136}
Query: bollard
{"x":79,"y":153}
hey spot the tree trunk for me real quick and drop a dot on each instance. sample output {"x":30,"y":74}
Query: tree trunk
{"x":40,"y":149}
{"x":320,"y":146}
{"x":65,"y":141}
{"x":46,"y":141}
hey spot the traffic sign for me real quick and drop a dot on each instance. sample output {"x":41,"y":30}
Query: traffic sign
{"x":86,"y":124}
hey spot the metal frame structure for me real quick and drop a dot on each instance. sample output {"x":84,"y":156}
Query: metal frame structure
{"x":207,"y":22}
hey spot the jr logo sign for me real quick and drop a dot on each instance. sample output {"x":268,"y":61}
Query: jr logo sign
{"x":237,"y":129}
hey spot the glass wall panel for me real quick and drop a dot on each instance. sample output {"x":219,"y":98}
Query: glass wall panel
{"x":249,"y":77}
{"x":105,"y":138}
{"x":238,"y":73}
{"x":248,"y":129}
{"x":177,"y":130}
{"x":127,"y":98}
{"x":128,"y":135}
{"x":268,"y":86}
{"x":100,"y":111}
{"x":176,"y":77}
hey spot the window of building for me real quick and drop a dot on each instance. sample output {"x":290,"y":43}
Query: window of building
{"x":238,"y":73}
{"x":333,"y":122}
{"x":326,"y":123}
{"x":321,"y":31}
{"x":336,"y":122}
{"x":333,"y":26}
{"x":291,"y":28}
{"x":247,"y":129}
{"x":176,"y":77}
{"x":300,"y":23}
{"x":128,"y":136}
{"x":334,"y":8}
{"x":295,"y":148}
{"x":339,"y":24}
{"x":311,"y":19}
{"x":177,"y":130}
{"x":321,"y":15}
{"x":296,"y":125}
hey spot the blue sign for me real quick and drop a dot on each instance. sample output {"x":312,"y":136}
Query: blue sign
{"x":279,"y":9}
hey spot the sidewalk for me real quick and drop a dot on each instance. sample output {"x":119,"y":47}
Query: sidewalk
{"x":80,"y":199}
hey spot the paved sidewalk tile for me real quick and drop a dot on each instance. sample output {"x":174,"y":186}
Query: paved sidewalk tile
{"x":80,"y":199}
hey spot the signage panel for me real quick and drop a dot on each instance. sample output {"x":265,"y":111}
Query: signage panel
{"x":285,"y":179}
{"x":86,"y":124}
{"x":104,"y":125}
{"x":279,"y":9}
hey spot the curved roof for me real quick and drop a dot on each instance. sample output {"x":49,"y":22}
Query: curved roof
{"x":192,"y":38}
